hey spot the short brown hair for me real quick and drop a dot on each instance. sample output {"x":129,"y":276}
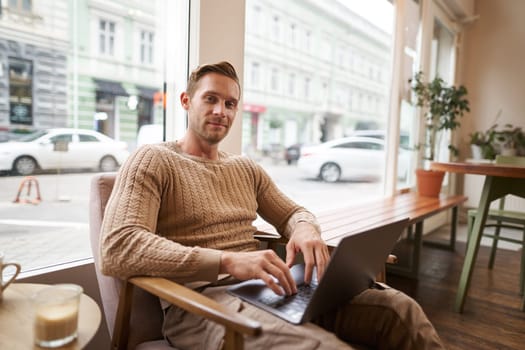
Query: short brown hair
{"x":223,"y":68}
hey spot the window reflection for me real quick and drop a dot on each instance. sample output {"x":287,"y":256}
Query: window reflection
{"x":328,"y":72}
{"x":20,"y":91}
{"x":91,"y":65}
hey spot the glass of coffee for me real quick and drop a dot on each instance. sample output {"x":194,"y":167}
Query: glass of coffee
{"x":56,"y":315}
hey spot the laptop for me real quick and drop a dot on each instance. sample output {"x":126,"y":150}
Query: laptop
{"x":352,"y":268}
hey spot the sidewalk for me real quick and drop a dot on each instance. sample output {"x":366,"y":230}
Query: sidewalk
{"x":50,"y":232}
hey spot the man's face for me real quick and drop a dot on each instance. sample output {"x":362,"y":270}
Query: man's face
{"x":212,"y":109}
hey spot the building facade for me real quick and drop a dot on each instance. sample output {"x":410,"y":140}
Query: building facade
{"x":115,"y":66}
{"x":33,"y":64}
{"x":313,"y":71}
{"x":84,"y":63}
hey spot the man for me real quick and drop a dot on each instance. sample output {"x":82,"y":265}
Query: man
{"x":184,"y":210}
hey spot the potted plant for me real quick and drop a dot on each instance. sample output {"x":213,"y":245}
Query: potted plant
{"x":482,"y":143}
{"x":442,"y":107}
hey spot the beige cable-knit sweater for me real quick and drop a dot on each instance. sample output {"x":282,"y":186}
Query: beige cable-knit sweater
{"x":170,"y":214}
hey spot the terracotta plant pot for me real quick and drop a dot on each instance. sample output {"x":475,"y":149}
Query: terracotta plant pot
{"x":429,"y":182}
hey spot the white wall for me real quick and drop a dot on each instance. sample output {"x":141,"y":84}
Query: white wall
{"x":491,"y":67}
{"x":492,"y":64}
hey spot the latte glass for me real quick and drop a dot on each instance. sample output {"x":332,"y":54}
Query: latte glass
{"x":56,"y":315}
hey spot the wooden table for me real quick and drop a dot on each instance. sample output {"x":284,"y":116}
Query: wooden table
{"x":500,"y":180}
{"x":16,"y":318}
{"x":342,"y":222}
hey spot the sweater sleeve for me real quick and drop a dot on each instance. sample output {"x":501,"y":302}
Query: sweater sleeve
{"x":278,"y":209}
{"x":129,"y":243}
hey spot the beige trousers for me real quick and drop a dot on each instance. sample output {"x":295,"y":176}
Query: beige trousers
{"x":376,"y":318}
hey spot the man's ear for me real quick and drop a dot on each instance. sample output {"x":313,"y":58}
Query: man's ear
{"x":185,"y":100}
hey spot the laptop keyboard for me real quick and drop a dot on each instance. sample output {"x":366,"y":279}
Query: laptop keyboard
{"x":291,"y":303}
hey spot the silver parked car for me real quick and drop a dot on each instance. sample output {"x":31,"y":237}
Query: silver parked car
{"x":62,"y":148}
{"x":349,"y":158}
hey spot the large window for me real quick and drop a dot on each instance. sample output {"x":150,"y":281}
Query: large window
{"x":314,"y":71}
{"x":90,"y":65}
{"x":328,"y":66}
{"x":443,"y":65}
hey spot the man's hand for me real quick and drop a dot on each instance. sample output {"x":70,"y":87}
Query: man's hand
{"x":263,"y":264}
{"x":315,"y":252}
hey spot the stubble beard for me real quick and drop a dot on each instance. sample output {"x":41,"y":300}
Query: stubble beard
{"x":214,"y":137}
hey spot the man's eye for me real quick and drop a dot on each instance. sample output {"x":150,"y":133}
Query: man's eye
{"x":231,"y":104}
{"x":211,"y":99}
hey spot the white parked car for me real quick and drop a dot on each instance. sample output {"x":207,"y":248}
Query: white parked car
{"x":349,"y":158}
{"x":62,"y":148}
{"x":404,"y":137}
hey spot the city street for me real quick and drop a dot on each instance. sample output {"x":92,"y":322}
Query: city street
{"x":56,"y":230}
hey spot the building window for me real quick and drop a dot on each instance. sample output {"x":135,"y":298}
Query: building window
{"x":341,"y":56}
{"x":146,"y":47}
{"x":20,"y":5}
{"x":293,"y":35}
{"x":326,"y":49}
{"x":255,"y":74}
{"x":20,"y":91}
{"x":107,"y":37}
{"x":324,"y":91}
{"x":291,"y":85}
{"x":307,"y":41}
{"x":339,"y":95}
{"x":274,"y":80}
{"x":105,"y":119}
{"x":255,"y":23}
{"x":306,"y":88}
{"x":276,"y":28}
{"x":145,"y":111}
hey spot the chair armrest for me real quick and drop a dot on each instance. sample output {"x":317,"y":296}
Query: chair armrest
{"x":196,"y":303}
{"x":236,"y":325}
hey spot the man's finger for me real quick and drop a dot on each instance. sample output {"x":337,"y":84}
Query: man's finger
{"x":290,"y":255}
{"x":321,"y":259}
{"x":272,"y":284}
{"x":283,"y":275}
{"x":309,"y":262}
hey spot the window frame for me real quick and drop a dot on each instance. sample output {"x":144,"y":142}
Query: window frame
{"x":146,"y":46}
{"x":20,"y":6}
{"x":106,"y":37}
{"x":202,"y":46}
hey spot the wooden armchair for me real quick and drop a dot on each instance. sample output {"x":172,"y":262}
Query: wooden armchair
{"x":134,"y":316}
{"x":141,"y":328}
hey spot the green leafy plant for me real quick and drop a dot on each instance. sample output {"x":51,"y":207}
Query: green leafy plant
{"x":485,"y":140}
{"x":494,"y":140}
{"x":443,"y":106}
